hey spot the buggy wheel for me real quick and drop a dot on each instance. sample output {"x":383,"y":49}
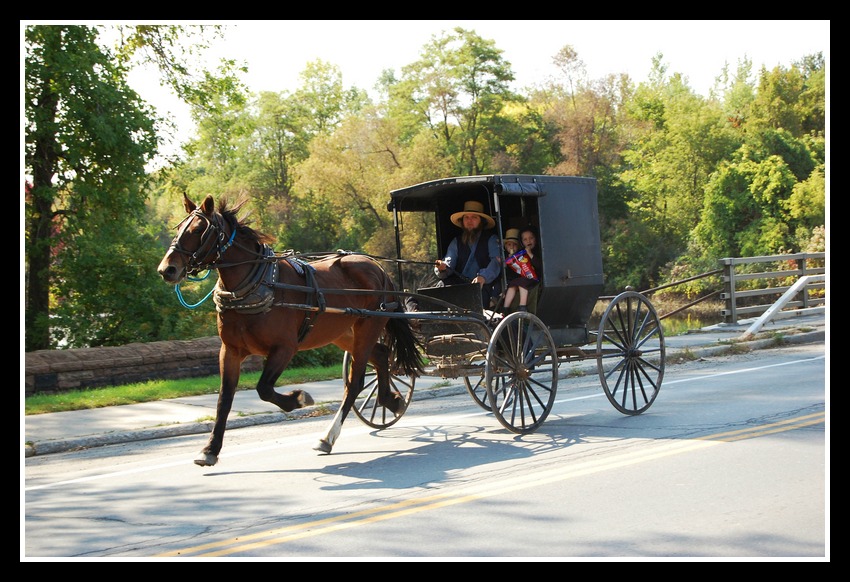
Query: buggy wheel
{"x":366,"y":407}
{"x":521,"y":372}
{"x":630,"y":352}
{"x":477,"y":388}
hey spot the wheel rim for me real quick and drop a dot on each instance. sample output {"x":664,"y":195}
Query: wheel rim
{"x":477,"y":388}
{"x":366,"y":407}
{"x":521,"y":372}
{"x":630,"y":349}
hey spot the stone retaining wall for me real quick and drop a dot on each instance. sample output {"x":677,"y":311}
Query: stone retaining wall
{"x":51,"y":371}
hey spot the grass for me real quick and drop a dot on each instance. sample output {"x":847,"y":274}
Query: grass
{"x":684,"y":355}
{"x":694,"y":317}
{"x":162,"y":389}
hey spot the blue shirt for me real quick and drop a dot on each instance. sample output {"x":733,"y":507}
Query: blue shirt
{"x":471,"y":269}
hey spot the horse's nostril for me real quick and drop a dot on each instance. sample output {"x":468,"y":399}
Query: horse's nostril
{"x":168,"y":272}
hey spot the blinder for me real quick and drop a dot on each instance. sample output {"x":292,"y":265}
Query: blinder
{"x":213,"y":240}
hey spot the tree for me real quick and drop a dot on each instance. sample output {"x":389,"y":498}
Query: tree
{"x":88,"y":139}
{"x":456,"y":92}
{"x":792,"y":98}
{"x":251,"y":145}
{"x":756,"y":205}
{"x":683,"y":140}
{"x":286,"y":125}
{"x":350,"y":171}
{"x":588,"y":118}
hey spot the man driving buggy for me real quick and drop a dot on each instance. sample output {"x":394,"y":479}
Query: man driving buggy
{"x":473,"y":256}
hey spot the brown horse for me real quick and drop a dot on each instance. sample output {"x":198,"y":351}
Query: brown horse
{"x":275,"y":306}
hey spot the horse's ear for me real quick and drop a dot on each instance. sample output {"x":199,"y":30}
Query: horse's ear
{"x":188,"y":204}
{"x":208,"y":206}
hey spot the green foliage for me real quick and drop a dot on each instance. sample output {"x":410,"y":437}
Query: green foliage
{"x":114,"y":278}
{"x":88,"y":137}
{"x":683,"y":180}
{"x":807,"y":203}
{"x":456,"y":93}
{"x":163,"y":389}
{"x":632,"y":255}
{"x":791,"y":99}
{"x":757,"y":205}
{"x":728,"y":211}
{"x":321,"y":357}
{"x":796,"y":153}
{"x":314,"y":226}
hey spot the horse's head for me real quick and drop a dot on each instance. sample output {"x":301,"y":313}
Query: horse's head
{"x":200,"y":240}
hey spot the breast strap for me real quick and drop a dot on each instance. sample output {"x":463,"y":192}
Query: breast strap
{"x":256,"y":294}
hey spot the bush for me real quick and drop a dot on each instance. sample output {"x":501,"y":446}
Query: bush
{"x":320,"y":357}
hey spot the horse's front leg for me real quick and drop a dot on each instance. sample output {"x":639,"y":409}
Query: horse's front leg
{"x":276,"y":363}
{"x":353,"y":387}
{"x":229,"y":366}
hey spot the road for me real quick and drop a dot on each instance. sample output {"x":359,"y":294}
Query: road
{"x":729,"y":463}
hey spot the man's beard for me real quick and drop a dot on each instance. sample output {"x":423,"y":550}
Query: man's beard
{"x":470,"y":236}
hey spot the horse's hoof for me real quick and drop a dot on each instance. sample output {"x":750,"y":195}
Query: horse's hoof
{"x":401,"y":407}
{"x":323,"y":447}
{"x":206,"y":460}
{"x":305,"y":399}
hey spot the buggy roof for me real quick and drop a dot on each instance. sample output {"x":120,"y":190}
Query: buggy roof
{"x":428,"y":195}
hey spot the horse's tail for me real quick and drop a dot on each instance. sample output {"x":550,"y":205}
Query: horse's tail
{"x":401,"y":339}
{"x":405,"y":345}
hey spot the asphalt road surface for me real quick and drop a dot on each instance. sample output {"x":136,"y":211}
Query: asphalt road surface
{"x":730,"y":463}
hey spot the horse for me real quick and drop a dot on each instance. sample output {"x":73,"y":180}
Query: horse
{"x":274,"y":305}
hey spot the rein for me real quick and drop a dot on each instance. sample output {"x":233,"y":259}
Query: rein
{"x":214,"y":237}
{"x":180,"y":293}
{"x":213,"y":232}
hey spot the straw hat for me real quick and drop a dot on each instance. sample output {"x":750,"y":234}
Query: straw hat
{"x":472,"y":207}
{"x":512,"y":234}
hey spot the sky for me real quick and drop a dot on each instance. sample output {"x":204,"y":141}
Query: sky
{"x":277,"y":51}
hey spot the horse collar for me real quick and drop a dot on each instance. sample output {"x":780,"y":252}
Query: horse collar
{"x":256,"y":293}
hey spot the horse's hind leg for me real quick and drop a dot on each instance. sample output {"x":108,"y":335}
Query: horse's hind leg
{"x":388,"y":396}
{"x":276,"y":363}
{"x":353,"y":387}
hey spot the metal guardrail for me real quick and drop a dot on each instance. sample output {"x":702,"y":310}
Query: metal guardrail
{"x":808,"y":267}
{"x":774,"y":282}
{"x":774,"y":309}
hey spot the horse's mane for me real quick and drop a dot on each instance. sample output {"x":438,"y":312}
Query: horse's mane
{"x":242,"y":225}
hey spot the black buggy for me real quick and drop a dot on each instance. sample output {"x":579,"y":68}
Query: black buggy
{"x":511,"y":364}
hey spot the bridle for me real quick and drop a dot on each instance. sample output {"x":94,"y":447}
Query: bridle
{"x":214,"y":243}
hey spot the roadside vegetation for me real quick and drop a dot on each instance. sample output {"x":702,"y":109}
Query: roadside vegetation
{"x":683,"y":179}
{"x":163,"y":389}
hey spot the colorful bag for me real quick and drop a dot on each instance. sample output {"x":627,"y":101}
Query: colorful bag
{"x":521,"y":264}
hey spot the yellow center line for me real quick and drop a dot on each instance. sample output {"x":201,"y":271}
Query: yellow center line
{"x":481,"y":491}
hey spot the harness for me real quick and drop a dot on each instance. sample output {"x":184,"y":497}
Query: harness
{"x":308,"y":271}
{"x":255,"y":295}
